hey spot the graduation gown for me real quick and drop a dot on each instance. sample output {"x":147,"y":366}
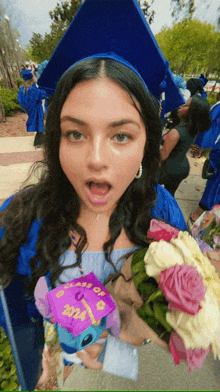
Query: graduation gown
{"x":30,"y":100}
{"x":207,"y":139}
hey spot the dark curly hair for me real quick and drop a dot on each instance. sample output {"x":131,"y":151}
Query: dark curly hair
{"x":198,"y":116}
{"x":53,"y":198}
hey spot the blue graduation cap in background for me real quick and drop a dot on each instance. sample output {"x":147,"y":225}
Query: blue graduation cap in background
{"x":26,"y":74}
{"x":105,"y":28}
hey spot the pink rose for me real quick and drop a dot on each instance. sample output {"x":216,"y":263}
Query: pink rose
{"x":183,"y":287}
{"x":216,"y":207}
{"x":193,"y":357}
{"x":161,"y":231}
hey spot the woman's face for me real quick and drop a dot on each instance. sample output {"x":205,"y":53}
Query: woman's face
{"x":183,"y":110}
{"x":102,"y":142}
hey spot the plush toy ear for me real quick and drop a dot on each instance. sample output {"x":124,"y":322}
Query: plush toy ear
{"x":113,"y":321}
{"x":41,"y":303}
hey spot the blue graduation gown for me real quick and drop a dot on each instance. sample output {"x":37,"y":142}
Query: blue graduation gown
{"x":31,"y":100}
{"x":211,"y":195}
{"x":207,"y":139}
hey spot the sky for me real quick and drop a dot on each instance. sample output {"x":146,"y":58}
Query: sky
{"x":29,"y":16}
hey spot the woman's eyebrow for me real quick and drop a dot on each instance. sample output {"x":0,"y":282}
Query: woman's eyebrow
{"x":113,"y":124}
{"x":124,"y":121}
{"x":72,"y":119}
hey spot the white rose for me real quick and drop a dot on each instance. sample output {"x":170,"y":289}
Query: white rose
{"x":193,"y":255}
{"x":199,"y":261}
{"x":200,"y":330}
{"x":161,"y":256}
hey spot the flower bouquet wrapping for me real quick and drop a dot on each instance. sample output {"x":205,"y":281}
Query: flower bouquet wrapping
{"x":206,"y":229}
{"x":171,"y":294}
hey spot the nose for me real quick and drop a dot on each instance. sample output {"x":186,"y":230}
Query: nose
{"x":97,"y":157}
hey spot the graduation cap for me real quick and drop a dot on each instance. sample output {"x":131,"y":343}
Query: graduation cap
{"x":26,"y":74}
{"x":194,"y":85}
{"x":203,"y":79}
{"x":182,"y":86}
{"x":115,"y":29}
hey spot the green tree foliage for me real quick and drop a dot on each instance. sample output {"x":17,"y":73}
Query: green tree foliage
{"x":184,"y":7}
{"x":65,"y":11}
{"x":43,"y":47}
{"x":191,"y":47}
{"x":9,"y":100}
{"x":8,"y":375}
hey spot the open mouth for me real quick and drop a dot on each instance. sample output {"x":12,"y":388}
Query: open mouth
{"x":98,"y":188}
{"x":98,"y":191}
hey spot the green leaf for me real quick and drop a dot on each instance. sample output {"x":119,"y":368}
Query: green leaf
{"x":138,"y":256}
{"x":160,"y":317}
{"x":3,"y":345}
{"x":13,"y":369}
{"x":147,"y":309}
{"x":4,"y":385}
{"x":138,"y":267}
{"x":12,"y":386}
{"x":146,"y":289}
{"x":155,"y":295}
{"x":139,"y":278}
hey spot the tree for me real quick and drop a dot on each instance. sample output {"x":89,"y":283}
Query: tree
{"x":186,"y":8}
{"x":191,"y":47}
{"x":65,"y":11}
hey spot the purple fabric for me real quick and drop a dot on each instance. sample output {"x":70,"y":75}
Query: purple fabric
{"x":41,"y":302}
{"x":113,"y":321}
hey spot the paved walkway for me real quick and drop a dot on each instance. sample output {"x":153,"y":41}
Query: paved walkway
{"x":156,"y":369}
{"x":17,"y":154}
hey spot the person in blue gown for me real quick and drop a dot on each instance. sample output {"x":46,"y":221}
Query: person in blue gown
{"x":31,"y":97}
{"x":210,"y":139}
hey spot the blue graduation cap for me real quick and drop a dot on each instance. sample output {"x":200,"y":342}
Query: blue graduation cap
{"x":26,"y":74}
{"x":112,"y":28}
{"x":203,"y":79}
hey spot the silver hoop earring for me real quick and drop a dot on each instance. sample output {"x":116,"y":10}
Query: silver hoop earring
{"x":139,"y":173}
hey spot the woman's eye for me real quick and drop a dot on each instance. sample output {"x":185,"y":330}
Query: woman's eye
{"x":122,"y":137}
{"x":75,"y":136}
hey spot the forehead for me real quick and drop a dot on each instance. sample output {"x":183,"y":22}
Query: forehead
{"x":101,"y":96}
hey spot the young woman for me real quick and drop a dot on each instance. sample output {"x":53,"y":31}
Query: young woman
{"x":194,"y":118}
{"x":98,"y":184}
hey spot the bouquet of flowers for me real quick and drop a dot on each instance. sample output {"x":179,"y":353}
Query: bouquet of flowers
{"x":180,"y":290}
{"x":206,"y":230}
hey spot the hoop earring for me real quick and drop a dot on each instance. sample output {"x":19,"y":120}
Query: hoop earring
{"x":139,"y":173}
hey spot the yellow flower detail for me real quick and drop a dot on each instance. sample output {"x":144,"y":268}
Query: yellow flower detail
{"x":100,"y":305}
